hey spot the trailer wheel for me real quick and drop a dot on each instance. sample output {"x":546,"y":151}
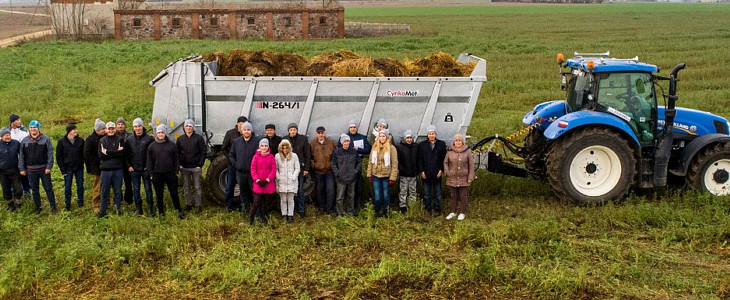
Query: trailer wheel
{"x":216,"y":179}
{"x":591,"y":167}
{"x":709,"y":170}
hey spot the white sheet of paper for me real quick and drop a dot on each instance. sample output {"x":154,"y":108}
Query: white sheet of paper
{"x":359,"y":144}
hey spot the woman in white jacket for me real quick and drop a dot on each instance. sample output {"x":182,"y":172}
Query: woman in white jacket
{"x":287,"y":182}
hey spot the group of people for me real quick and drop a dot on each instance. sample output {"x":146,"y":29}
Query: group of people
{"x":260,"y":166}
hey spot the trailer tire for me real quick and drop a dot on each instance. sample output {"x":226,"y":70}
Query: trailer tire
{"x":591,"y":166}
{"x":216,"y":179}
{"x":709,"y":169}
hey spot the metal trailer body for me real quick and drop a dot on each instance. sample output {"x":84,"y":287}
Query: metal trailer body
{"x":188,"y":89}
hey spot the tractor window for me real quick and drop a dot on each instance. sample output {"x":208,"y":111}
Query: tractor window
{"x":578,"y":90}
{"x":630,"y":96}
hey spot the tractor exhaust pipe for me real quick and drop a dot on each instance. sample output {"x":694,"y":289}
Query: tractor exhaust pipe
{"x":664,"y":145}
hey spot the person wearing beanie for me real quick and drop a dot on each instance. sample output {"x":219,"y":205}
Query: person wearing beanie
{"x":407,"y":170}
{"x":93,"y":163}
{"x":380,"y":125}
{"x":346,"y":165}
{"x":112,"y":159}
{"x":231,"y":135}
{"x":300,"y":146}
{"x":287,"y":178}
{"x":241,"y":154}
{"x":70,"y":160}
{"x":274,"y":140}
{"x":191,"y":150}
{"x":322,"y":150}
{"x":136,"y":157}
{"x":360,"y":143}
{"x":36,"y":162}
{"x":263,"y":174}
{"x":431,"y":154}
{"x":459,"y":171}
{"x":121,"y":127}
{"x":163,"y":165}
{"x":18,"y":133}
{"x":382,"y":171}
{"x":9,"y":173}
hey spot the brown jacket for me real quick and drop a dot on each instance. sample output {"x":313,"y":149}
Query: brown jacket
{"x":379,"y":169}
{"x":322,"y":155}
{"x":459,"y":167}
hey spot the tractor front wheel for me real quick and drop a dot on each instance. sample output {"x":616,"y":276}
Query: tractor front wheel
{"x":591,"y":166}
{"x":709,"y":170}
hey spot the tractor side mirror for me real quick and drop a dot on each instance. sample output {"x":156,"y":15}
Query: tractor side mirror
{"x":563,"y":82}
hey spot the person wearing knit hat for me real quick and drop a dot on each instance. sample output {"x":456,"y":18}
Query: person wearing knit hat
{"x":240,"y":157}
{"x":18,"y":133}
{"x":113,"y":162}
{"x":300,"y":146}
{"x":93,"y":163}
{"x":163,"y":164}
{"x":459,"y":170}
{"x":322,"y":149}
{"x":360,"y":143}
{"x":191,"y":149}
{"x":274,"y":140}
{"x":36,"y":162}
{"x":431,"y":154}
{"x":136,"y":153}
{"x":9,"y":173}
{"x":70,"y":160}
{"x":380,"y":125}
{"x":121,"y":127}
{"x":346,"y":165}
{"x":263,"y":174}
{"x":407,"y":170}
{"x":382,"y":171}
{"x":231,"y":135}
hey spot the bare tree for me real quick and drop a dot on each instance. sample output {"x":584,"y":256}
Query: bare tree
{"x":67,"y":18}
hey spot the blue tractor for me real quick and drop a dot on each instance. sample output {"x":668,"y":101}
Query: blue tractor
{"x":610,"y":135}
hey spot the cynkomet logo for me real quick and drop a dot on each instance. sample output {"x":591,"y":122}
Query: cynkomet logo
{"x":401,"y":93}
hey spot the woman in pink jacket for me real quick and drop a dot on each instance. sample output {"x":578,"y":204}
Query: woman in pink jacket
{"x":459,"y":170}
{"x":263,"y":173}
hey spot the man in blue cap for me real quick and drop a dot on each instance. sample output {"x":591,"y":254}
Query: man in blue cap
{"x":36,"y":162}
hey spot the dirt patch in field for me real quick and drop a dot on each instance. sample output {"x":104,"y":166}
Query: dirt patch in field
{"x":15,"y":24}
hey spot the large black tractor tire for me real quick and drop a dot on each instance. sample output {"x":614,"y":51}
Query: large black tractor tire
{"x":709,"y":169}
{"x":216,"y":179}
{"x":591,"y":166}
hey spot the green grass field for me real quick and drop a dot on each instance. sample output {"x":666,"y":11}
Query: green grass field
{"x":518,"y":240}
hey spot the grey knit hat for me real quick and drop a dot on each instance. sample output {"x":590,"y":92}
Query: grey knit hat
{"x":460,"y":137}
{"x":247,"y":125}
{"x":292,"y":125}
{"x":190,"y":123}
{"x":161,"y":128}
{"x":382,"y":122}
{"x":98,"y":125}
{"x":431,"y":128}
{"x":408,"y":133}
{"x":352,"y":123}
{"x":4,"y":131}
{"x":110,"y":124}
{"x":121,"y":120}
{"x":343,"y":138}
{"x":385,"y":131}
{"x":137,"y":122}
{"x":264,"y":142}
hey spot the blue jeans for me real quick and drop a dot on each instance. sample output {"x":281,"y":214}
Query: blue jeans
{"x":300,"y":199}
{"x":33,"y":179}
{"x":111,"y":179}
{"x":325,"y":191}
{"x":68,"y":184}
{"x":381,"y":193}
{"x":432,"y":201}
{"x":230,"y":185}
{"x":142,"y":176}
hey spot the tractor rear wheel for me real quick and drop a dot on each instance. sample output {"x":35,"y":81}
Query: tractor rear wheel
{"x":709,"y":170}
{"x":216,"y":179}
{"x":591,"y":166}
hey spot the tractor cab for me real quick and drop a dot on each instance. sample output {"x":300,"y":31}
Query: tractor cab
{"x":623,"y":88}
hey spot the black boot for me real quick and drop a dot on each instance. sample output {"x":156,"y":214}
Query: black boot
{"x":180,"y":214}
{"x":54,"y":210}
{"x":138,"y":212}
{"x":11,"y":207}
{"x":68,"y":207}
{"x":403,"y":210}
{"x":188,"y":207}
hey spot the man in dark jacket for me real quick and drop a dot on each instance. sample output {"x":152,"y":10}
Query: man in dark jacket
{"x":407,"y":170}
{"x":70,"y":159}
{"x":274,"y":140}
{"x":241,"y":155}
{"x":91,"y":159}
{"x":36,"y":161}
{"x":121,"y":127}
{"x":346,"y":164}
{"x":191,"y":150}
{"x":231,"y":135}
{"x":431,"y":154}
{"x":9,"y":173}
{"x":18,"y":133}
{"x":112,"y":161}
{"x":300,"y":146}
{"x":163,"y":165}
{"x":360,"y":143}
{"x":136,"y":154}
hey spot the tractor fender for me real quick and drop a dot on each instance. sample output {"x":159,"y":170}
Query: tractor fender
{"x":585,"y":118}
{"x":544,"y":113}
{"x":695,"y":146}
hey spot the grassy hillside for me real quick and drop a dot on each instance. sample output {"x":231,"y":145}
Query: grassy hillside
{"x":518,"y":241}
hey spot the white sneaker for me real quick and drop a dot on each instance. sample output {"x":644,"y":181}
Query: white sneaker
{"x":461,"y":217}
{"x":450,"y":216}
